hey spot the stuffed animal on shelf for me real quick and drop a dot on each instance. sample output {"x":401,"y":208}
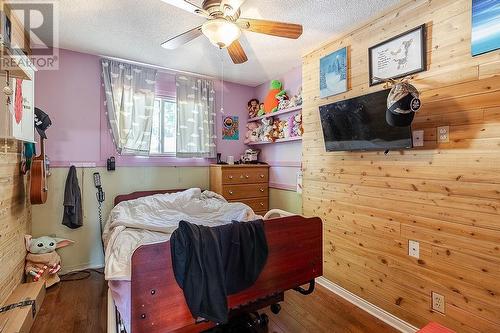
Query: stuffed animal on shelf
{"x":267,"y":129}
{"x":285,"y":129}
{"x":296,"y":100}
{"x":284,"y":102}
{"x":42,"y":260}
{"x":271,"y":102}
{"x":297,"y":129}
{"x":276,"y":130}
{"x":290,"y":123}
{"x":253,"y":131}
{"x":261,"y":111}
{"x":253,"y":108}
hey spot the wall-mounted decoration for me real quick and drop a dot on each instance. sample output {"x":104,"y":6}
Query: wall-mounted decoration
{"x":485,"y":26}
{"x":399,"y":56}
{"x":230,"y":128}
{"x":333,"y":73}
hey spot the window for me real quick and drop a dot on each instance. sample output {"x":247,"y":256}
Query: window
{"x":164,"y":134}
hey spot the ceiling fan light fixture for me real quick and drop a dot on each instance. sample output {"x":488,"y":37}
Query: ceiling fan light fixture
{"x":221,"y":32}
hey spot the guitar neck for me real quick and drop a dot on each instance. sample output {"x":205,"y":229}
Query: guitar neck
{"x":42,"y":148}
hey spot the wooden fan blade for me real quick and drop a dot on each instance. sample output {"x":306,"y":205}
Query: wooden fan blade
{"x":187,"y":6}
{"x":280,"y":29}
{"x":233,"y":5}
{"x":182,"y":39}
{"x":237,"y":53}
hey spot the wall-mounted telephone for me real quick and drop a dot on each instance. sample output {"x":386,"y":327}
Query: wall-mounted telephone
{"x":97,"y":182}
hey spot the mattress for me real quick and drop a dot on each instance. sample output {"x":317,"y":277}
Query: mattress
{"x":152,"y":219}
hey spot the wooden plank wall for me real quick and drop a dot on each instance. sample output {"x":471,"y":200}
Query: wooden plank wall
{"x":447,"y":196}
{"x":15,"y":217}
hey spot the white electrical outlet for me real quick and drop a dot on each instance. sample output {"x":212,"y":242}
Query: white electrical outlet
{"x":418,"y":138}
{"x":414,"y":249}
{"x":443,"y":134}
{"x":437,"y":302}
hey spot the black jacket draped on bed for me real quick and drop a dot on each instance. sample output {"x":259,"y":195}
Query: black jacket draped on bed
{"x":213,"y":262}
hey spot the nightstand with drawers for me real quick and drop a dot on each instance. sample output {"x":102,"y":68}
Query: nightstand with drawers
{"x":247,"y":183}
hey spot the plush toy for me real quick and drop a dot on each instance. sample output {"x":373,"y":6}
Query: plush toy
{"x":253,"y":108}
{"x":290,"y":123}
{"x":284,"y":102}
{"x":297,"y":129}
{"x":276,"y":130}
{"x":296,"y":100}
{"x":42,"y":261}
{"x":283,"y":129}
{"x":261,"y":110}
{"x":253,"y":130}
{"x":271,"y":102}
{"x":267,"y":129}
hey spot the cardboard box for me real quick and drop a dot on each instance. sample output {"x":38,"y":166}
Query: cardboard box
{"x":20,"y":319}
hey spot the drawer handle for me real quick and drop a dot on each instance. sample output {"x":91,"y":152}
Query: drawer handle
{"x":262,"y":204}
{"x":247,"y":176}
{"x":262,"y":190}
{"x":261,"y":176}
{"x":230,"y":177}
{"x":231,"y":192}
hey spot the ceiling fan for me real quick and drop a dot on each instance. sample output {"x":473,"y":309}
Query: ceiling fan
{"x":224,"y":26}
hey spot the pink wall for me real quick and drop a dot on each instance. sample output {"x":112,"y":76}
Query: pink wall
{"x":284,"y":157}
{"x":73,"y":97}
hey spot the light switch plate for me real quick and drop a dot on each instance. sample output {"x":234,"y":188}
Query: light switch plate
{"x":443,"y":134}
{"x":414,"y":249}
{"x":418,"y":138}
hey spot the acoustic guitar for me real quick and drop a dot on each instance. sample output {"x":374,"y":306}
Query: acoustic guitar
{"x":38,"y":181}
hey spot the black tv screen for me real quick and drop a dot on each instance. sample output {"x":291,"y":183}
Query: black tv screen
{"x":359,"y":124}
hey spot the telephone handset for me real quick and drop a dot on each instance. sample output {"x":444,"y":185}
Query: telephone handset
{"x":97,"y":182}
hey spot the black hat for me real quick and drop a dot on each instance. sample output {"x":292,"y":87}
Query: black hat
{"x":402,"y":103}
{"x":42,"y":122}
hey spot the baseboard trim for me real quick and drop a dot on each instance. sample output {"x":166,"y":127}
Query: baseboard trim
{"x":372,"y":309}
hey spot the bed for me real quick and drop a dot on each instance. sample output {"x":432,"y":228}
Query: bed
{"x":151,"y":301}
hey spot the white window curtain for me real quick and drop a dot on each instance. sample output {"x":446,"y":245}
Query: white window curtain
{"x":195,"y":117}
{"x":130,"y":96}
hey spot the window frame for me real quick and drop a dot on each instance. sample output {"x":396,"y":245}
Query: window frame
{"x":169,"y":99}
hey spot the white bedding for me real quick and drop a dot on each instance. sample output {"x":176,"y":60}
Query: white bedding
{"x":152,"y":219}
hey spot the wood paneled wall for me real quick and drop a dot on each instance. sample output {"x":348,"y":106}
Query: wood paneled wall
{"x":15,"y":217}
{"x":447,"y":196}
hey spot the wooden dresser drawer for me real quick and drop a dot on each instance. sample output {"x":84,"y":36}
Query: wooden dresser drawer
{"x":245,"y":175}
{"x":231,"y":192}
{"x":257,"y":204}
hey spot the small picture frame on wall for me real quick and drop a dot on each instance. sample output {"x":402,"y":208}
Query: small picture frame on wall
{"x":399,"y":56}
{"x":333,"y":73}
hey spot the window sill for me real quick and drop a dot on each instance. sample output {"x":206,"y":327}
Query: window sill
{"x":138,"y":161}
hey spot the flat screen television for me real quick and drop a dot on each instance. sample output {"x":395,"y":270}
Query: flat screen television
{"x":359,"y":124}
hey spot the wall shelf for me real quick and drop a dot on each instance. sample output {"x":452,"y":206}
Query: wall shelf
{"x":277,"y":113}
{"x":295,"y":138}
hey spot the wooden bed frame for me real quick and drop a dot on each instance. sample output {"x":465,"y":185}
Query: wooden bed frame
{"x":158,"y":304}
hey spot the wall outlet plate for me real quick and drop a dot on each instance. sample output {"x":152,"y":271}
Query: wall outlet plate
{"x":443,"y":134}
{"x":414,"y":249}
{"x":437,"y":302}
{"x":418,"y":138}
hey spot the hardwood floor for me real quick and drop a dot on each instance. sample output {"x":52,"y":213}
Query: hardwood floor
{"x":74,"y":306}
{"x":80,"y":307}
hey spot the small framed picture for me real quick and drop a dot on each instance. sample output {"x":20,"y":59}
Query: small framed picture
{"x":399,"y":56}
{"x":485,"y":26}
{"x":333,"y":73}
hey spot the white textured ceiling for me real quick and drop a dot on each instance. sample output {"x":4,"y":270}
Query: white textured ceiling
{"x":134,"y":30}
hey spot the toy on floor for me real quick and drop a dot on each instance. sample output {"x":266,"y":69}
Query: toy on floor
{"x":271,"y":102}
{"x":42,"y":261}
{"x":267,"y":129}
{"x":253,"y":131}
{"x":253,"y":108}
